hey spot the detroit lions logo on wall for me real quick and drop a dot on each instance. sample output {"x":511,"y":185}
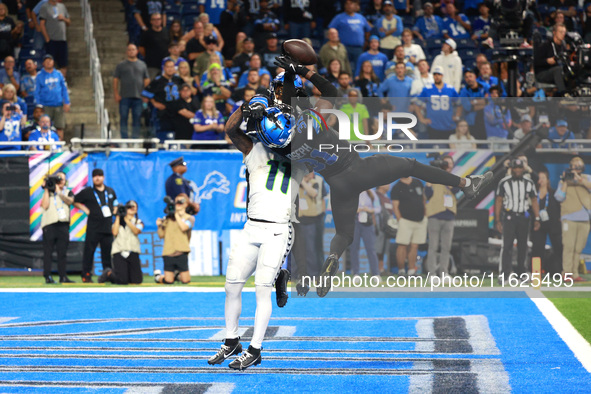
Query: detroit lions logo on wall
{"x":215,"y":181}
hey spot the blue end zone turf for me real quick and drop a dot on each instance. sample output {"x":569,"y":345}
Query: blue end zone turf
{"x":159,"y":342}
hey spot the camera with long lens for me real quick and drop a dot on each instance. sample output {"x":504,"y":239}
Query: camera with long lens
{"x":122,"y":210}
{"x":438,"y":160}
{"x":170,"y":207}
{"x":50,"y":182}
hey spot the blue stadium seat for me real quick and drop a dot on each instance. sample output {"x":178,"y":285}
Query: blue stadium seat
{"x":171,"y":17}
{"x":432,"y":43}
{"x":191,"y":8}
{"x":465,"y":43}
{"x":172,"y":8}
{"x":187,"y":21}
{"x":466,"y":53}
{"x":408,"y":21}
{"x":434,"y":51}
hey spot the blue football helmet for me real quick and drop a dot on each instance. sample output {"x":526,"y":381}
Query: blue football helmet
{"x":275,"y":129}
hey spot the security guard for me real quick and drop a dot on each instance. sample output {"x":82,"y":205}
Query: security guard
{"x":176,"y":184}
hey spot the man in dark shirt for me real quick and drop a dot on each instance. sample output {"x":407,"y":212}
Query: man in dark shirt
{"x":98,"y":202}
{"x":144,"y":10}
{"x":242,"y":60}
{"x":182,"y":111}
{"x":547,"y":59}
{"x":231,"y":22}
{"x":161,"y":91}
{"x":270,"y":53}
{"x":154,"y":45}
{"x":408,"y":202}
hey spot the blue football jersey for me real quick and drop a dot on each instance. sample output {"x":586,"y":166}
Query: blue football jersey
{"x":440,"y":106}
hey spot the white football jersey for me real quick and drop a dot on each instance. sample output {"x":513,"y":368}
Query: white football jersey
{"x":273,"y":185}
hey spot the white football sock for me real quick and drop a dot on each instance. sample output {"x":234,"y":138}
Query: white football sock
{"x":233,"y":308}
{"x":262,"y":315}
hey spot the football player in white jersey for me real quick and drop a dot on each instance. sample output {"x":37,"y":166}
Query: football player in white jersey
{"x":265,"y":242}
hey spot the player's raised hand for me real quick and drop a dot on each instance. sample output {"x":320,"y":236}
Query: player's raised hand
{"x":291,"y":66}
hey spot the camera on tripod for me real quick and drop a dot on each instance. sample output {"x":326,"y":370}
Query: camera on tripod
{"x":50,"y":182}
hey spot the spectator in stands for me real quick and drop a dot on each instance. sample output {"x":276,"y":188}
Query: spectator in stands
{"x":561,"y":133}
{"x":299,"y":18}
{"x":334,"y":49}
{"x":154,"y":45}
{"x":252,"y":82}
{"x":255,"y":63}
{"x":44,"y":133}
{"x":408,"y":202}
{"x":11,"y":125}
{"x":184,"y":71}
{"x":344,"y":84}
{"x":473,"y":101}
{"x":497,"y":117}
{"x":27,"y":86}
{"x":353,"y":106}
{"x":264,"y":23}
{"x":183,"y":110}
{"x":194,"y":40}
{"x":353,"y":29}
{"x":365,"y":228}
{"x":210,"y":30}
{"x":367,"y":82}
{"x":462,"y":137}
{"x":428,"y":26}
{"x":455,"y":24}
{"x":99,"y":202}
{"x":441,"y":209}
{"x":125,"y":250}
{"x":514,"y":196}
{"x":176,"y":232}
{"x":175,"y":31}
{"x":485,"y":77}
{"x":160,"y":92}
{"x":440,"y":119}
{"x":242,"y":60}
{"x":412,"y":52}
{"x":481,"y":25}
{"x":9,"y":95}
{"x":231,"y":22}
{"x":55,"y":224}
{"x":389,"y":27}
{"x":373,"y":11}
{"x":546,"y":57}
{"x":211,"y":55}
{"x":208,"y":123}
{"x":174,"y":54}
{"x":54,"y":31}
{"x":423,"y":79}
{"x":33,"y":122}
{"x":525,"y":124}
{"x":378,"y":59}
{"x":8,"y":74}
{"x":9,"y":32}
{"x":217,"y":88}
{"x":451,"y":62}
{"x":333,"y":70}
{"x":145,"y":9}
{"x":574,"y":195}
{"x":51,"y":92}
{"x":397,"y":88}
{"x":550,"y":226}
{"x":399,"y":57}
{"x":247,"y":94}
{"x":32,"y":11}
{"x":129,"y":79}
{"x":270,"y":52}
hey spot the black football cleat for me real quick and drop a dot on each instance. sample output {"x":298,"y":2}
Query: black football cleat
{"x":225,"y":352}
{"x":302,"y":289}
{"x":281,"y":287}
{"x":478,"y":183}
{"x":49,"y":279}
{"x":329,"y":269}
{"x":249,"y":358}
{"x":87,"y":278}
{"x":65,"y":279}
{"x":104,"y":276}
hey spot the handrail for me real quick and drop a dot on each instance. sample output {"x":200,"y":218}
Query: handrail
{"x":95,"y":70}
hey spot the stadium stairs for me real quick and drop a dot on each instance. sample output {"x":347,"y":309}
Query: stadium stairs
{"x":79,"y":80}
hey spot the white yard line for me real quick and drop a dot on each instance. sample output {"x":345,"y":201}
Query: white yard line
{"x":575,"y":341}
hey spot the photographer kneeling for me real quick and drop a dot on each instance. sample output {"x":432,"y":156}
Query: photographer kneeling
{"x":126,"y":247}
{"x":55,"y":224}
{"x":175,"y":228}
{"x":574,"y":194}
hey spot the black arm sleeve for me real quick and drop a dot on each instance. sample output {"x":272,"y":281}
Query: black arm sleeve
{"x":326,"y":88}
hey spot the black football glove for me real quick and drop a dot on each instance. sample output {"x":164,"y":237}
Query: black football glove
{"x":291,"y":66}
{"x":255,"y":111}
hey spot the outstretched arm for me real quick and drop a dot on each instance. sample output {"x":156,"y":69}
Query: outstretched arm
{"x":240,"y":140}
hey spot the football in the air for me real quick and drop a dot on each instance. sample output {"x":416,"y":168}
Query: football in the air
{"x":300,"y":51}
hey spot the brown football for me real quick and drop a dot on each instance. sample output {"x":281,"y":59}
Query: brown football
{"x":300,"y":50}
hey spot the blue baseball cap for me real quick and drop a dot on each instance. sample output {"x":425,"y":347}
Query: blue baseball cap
{"x":561,"y":123}
{"x":374,"y":37}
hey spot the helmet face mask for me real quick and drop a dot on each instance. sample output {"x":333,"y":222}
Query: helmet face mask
{"x":275,"y":129}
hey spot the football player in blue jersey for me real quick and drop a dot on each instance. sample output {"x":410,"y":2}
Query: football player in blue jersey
{"x":343,"y":169}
